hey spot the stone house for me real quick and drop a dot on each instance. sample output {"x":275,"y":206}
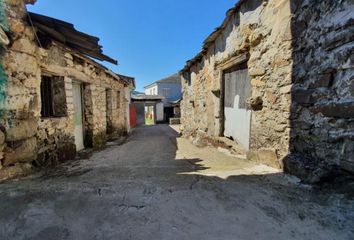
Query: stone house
{"x":55,"y":99}
{"x":277,"y":77}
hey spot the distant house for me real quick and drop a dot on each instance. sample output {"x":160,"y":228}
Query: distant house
{"x":147,"y":108}
{"x":171,"y":89}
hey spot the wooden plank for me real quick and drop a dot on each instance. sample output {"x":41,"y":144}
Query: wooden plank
{"x":51,"y":32}
{"x":78,"y":36}
{"x":48,"y":20}
{"x":99,"y":56}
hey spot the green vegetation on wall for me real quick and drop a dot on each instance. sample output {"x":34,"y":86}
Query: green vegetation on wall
{"x":3,"y":77}
{"x":3,"y":19}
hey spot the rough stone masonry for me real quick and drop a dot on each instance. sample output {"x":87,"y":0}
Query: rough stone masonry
{"x":31,"y":135}
{"x":299,"y":56}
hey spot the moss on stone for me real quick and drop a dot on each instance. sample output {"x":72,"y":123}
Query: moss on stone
{"x":99,"y":140}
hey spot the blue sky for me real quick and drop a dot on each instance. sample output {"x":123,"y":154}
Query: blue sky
{"x":151,"y":39}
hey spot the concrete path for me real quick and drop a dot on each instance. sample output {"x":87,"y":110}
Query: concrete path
{"x":159,"y":186}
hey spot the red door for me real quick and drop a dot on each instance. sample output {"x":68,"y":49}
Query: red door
{"x":132,"y":115}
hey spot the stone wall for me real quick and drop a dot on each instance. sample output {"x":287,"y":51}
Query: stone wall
{"x":20,"y":108}
{"x":55,"y":135}
{"x":99,"y":116}
{"x":26,"y":138}
{"x":266,"y":35}
{"x":322,"y":131}
{"x":115,"y":121}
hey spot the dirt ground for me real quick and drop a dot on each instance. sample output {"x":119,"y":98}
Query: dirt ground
{"x":159,"y":186}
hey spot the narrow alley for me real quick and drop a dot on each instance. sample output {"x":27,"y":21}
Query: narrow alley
{"x":155,"y":185}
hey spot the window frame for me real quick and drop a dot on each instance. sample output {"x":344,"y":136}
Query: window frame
{"x":166,"y":92}
{"x":118,"y":99}
{"x":47,"y":97}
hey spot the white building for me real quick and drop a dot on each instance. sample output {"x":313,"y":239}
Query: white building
{"x":170,"y":88}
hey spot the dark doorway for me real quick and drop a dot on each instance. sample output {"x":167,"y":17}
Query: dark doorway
{"x":169,"y":113}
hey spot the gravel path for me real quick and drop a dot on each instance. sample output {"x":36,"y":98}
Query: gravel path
{"x":159,"y":186}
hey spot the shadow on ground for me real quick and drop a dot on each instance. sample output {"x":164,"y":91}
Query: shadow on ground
{"x":157,"y":186}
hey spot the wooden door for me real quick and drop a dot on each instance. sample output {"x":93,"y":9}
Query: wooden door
{"x":237,"y":117}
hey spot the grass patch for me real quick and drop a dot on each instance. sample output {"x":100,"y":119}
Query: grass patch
{"x":149,"y":121}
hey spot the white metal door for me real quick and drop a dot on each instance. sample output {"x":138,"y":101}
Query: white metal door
{"x":237,"y":116}
{"x":78,"y":119}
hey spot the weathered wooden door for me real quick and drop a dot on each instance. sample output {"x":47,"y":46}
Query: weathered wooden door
{"x":237,"y":89}
{"x":78,"y":118}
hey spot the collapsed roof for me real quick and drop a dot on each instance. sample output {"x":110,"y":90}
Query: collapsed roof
{"x":63,"y":32}
{"x":66,"y":34}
